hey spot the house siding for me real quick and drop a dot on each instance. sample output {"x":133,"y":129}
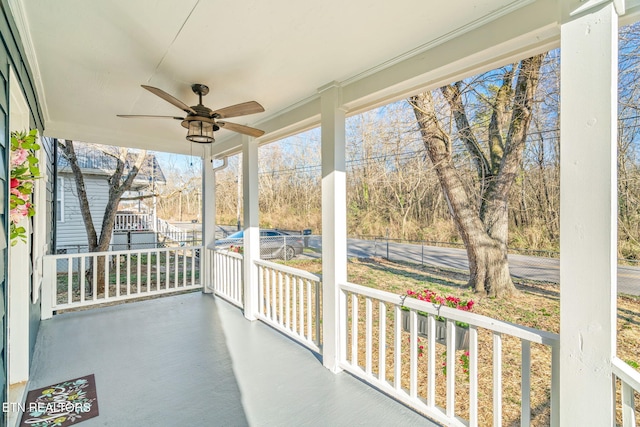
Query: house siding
{"x":11,"y":55}
{"x":71,"y":233}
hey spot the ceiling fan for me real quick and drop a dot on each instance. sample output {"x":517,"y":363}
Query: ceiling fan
{"x":202,"y":121}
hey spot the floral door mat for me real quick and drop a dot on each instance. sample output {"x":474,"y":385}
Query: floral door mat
{"x":60,"y":405}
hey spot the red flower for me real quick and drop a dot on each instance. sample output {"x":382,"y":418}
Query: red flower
{"x":14,"y":182}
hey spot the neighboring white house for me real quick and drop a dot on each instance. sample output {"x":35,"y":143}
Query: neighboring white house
{"x":97,"y":167}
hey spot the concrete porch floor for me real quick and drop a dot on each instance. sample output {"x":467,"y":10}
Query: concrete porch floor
{"x":192,"y":360}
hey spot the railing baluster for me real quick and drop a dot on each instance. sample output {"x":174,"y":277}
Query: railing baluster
{"x":309,"y":319}
{"x":94,"y":278}
{"x":287,"y":298}
{"x":280,"y":299}
{"x":221,"y":279}
{"x":301,"y":307}
{"x":139,"y":271}
{"x":82,"y":278}
{"x":261,"y":297}
{"x":274,"y":296}
{"x":497,"y":379}
{"x":225,"y":275}
{"x":167,"y":269}
{"x":431,"y":361}
{"x":294,"y":326}
{"x":473,"y":376}
{"x":354,"y":329}
{"x":628,"y":406}
{"x":397,"y":353}
{"x":184,"y":267}
{"x":216,"y":271}
{"x":369,"y":333}
{"x":128,"y":273}
{"x":70,"y":280}
{"x":413,"y":354}
{"x":267,"y":287}
{"x":239,"y":281}
{"x":382,"y":341}
{"x":148,"y":277}
{"x":451,"y":368}
{"x":107,"y":274}
{"x":117,"y":275}
{"x":176,"y":279}
{"x":193,"y":265}
{"x":317,"y":313}
{"x":525,"y":384}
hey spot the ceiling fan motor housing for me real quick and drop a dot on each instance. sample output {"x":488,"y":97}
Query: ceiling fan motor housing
{"x":200,"y":121}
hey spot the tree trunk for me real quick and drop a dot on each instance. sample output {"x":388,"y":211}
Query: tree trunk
{"x":118,"y":185}
{"x":488,"y":265}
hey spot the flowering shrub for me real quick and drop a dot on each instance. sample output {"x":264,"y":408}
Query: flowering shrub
{"x":464,"y":361}
{"x":236,"y":249}
{"x":24,"y":170}
{"x":448,"y":301}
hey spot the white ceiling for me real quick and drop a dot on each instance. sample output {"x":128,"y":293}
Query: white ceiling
{"x":90,"y":57}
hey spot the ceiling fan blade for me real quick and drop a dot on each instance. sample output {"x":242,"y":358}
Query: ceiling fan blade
{"x":170,"y":99}
{"x":137,"y":116}
{"x":246,"y":130}
{"x":243,"y":109}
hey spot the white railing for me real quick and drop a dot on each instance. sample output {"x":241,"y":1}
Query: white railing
{"x":145,"y":222}
{"x":289,"y":300}
{"x":227,"y":275}
{"x":630,"y":380}
{"x":387,"y":357}
{"x":133,"y":222}
{"x":170,"y":231}
{"x":79,"y":280}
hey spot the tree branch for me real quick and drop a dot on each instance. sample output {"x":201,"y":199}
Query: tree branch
{"x":453,"y":95}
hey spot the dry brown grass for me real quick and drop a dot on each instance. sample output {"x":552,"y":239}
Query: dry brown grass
{"x":536,"y":305}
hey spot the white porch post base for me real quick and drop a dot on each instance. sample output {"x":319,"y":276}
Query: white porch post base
{"x":251,"y":225}
{"x":334,"y":225}
{"x":588,"y":219}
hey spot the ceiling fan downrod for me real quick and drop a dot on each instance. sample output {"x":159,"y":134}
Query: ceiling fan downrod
{"x":200,"y":90}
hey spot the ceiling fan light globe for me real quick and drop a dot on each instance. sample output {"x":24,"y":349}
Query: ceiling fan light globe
{"x":201,"y":132}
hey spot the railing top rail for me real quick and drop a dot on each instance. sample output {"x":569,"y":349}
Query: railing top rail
{"x":132,"y":214}
{"x":227,"y":253}
{"x":626,"y":373}
{"x":288,"y":270}
{"x":130,"y":251}
{"x":478,"y":320}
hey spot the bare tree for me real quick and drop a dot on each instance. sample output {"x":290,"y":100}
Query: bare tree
{"x":483,"y":223}
{"x":119,"y":183}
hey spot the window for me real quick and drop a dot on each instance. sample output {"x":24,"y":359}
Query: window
{"x":60,"y":200}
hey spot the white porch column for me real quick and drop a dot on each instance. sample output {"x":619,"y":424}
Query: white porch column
{"x":251,"y":225}
{"x":588,"y":213}
{"x":208,"y":220}
{"x":334,"y":223}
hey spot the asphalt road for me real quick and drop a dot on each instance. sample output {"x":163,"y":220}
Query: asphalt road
{"x":521,"y":266}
